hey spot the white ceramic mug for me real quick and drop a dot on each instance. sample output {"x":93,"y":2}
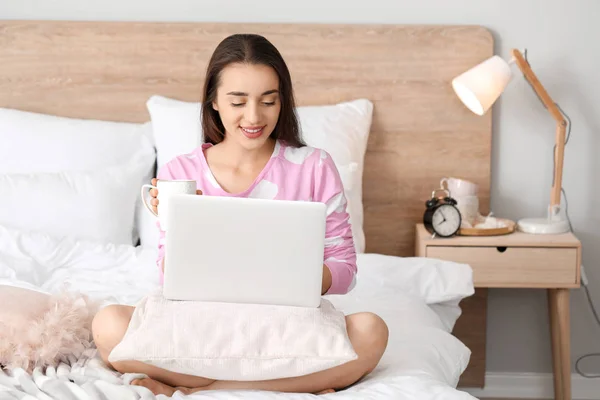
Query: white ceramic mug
{"x":469,"y":208}
{"x":459,"y":187}
{"x":166,"y":188}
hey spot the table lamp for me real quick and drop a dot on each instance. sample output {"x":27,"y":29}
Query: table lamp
{"x":479,"y":87}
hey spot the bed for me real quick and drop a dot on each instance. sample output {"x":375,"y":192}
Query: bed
{"x":419,"y":133}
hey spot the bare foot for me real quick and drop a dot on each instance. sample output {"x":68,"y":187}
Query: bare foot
{"x":325,"y":391}
{"x":155,"y":387}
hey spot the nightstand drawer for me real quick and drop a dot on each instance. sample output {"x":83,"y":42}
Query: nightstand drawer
{"x":514,"y":266}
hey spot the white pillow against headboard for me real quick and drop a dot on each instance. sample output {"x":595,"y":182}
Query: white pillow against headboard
{"x":93,"y":205}
{"x":48,"y":144}
{"x":340,"y":129}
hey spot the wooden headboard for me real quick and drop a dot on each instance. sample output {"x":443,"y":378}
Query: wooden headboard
{"x":420,"y":133}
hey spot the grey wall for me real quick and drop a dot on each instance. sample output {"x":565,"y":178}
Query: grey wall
{"x":562,"y":38}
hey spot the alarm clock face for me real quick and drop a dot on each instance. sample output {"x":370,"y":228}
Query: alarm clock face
{"x":446,"y":220}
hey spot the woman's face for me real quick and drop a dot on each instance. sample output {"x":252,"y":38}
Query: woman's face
{"x":248,"y":103}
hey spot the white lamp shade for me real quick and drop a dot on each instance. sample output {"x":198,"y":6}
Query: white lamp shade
{"x":479,"y":87}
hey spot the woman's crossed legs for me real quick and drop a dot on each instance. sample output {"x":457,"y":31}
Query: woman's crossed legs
{"x":368,"y":334}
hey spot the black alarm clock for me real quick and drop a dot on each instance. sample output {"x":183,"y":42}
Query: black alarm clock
{"x":442,"y":217}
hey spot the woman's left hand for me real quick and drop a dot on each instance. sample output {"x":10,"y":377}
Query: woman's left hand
{"x":326,"y":279}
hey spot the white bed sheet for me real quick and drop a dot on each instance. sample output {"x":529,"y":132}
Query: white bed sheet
{"x":124,"y":274}
{"x":88,"y":378}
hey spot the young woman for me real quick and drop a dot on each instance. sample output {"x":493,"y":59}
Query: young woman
{"x":253,"y":149}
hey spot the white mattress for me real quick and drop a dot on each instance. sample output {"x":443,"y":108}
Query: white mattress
{"x":417,"y":297}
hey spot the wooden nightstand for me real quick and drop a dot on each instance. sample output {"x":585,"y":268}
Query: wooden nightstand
{"x":521,"y":260}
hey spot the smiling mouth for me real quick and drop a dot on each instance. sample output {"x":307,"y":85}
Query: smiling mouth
{"x":253,"y":132}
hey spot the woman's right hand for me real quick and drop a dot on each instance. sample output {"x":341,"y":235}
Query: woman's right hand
{"x":154,"y":195}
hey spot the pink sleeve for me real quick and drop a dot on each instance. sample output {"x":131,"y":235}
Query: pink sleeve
{"x":163,"y":173}
{"x":340,"y":254}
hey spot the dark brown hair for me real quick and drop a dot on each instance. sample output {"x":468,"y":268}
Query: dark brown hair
{"x":251,"y":49}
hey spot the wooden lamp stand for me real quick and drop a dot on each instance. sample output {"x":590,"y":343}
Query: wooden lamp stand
{"x":554,"y":223}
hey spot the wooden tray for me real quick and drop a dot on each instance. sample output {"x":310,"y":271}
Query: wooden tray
{"x":510,"y":228}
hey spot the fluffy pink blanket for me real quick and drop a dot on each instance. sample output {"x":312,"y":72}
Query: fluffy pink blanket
{"x":40,"y":330}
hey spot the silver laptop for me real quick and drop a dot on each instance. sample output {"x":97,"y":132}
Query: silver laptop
{"x":240,"y":250}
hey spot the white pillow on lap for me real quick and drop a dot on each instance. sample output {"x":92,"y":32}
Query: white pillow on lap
{"x":242,"y":342}
{"x":340,"y":129}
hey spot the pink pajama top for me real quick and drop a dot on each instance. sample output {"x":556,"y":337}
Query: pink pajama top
{"x":305,"y":174}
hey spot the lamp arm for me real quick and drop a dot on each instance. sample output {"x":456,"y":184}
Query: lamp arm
{"x":561,"y":124}
{"x":538,"y":87}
